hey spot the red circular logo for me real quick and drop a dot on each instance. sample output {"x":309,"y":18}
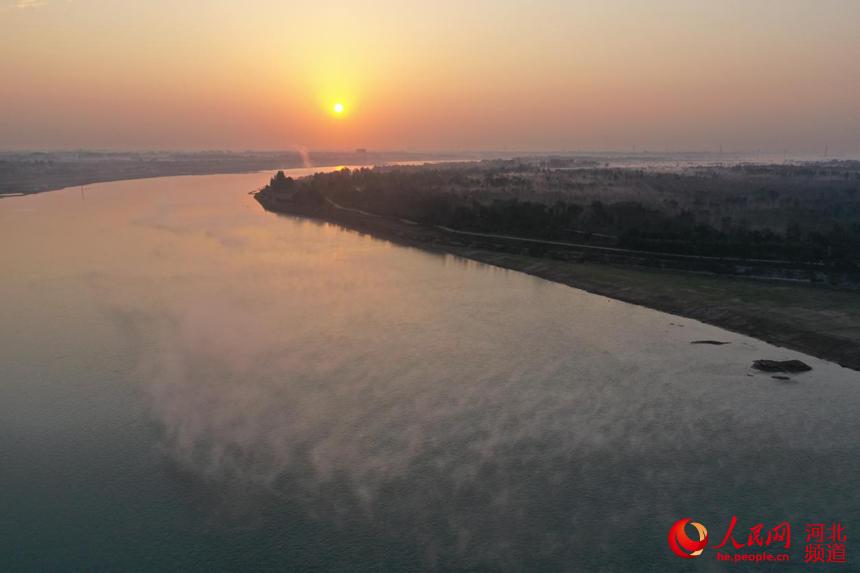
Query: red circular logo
{"x":682,"y":544}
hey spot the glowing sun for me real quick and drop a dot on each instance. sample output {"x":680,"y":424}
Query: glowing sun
{"x":337,"y":108}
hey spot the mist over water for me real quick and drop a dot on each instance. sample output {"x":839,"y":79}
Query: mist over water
{"x":190,"y":383}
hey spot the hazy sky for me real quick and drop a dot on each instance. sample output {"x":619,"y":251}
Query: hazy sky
{"x":464,"y":74}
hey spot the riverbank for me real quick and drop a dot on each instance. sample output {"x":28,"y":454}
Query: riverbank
{"x":25,"y":173}
{"x":819,"y":321}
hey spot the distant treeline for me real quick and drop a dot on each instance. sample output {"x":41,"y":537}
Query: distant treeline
{"x":489,"y":198}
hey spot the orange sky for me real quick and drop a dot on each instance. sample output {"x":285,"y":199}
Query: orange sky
{"x":502,"y":74}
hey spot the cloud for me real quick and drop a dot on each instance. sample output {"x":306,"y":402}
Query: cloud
{"x":6,"y":5}
{"x":21,"y":4}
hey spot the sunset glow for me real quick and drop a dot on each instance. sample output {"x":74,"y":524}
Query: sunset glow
{"x":485,"y":75}
{"x":429,"y":285}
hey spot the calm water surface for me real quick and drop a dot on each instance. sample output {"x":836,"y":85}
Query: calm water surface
{"x":189,"y":383}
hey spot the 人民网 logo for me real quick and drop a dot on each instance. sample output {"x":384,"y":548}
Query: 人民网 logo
{"x":825,"y":542}
{"x":682,"y":544}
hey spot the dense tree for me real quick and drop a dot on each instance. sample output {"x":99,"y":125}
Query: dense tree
{"x":705,"y":211}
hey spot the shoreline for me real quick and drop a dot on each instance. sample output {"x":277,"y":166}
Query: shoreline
{"x":47,"y":185}
{"x":820,"y":321}
{"x":32,"y":178}
{"x":84,"y":181}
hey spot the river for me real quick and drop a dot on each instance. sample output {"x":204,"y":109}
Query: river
{"x":190,"y":383}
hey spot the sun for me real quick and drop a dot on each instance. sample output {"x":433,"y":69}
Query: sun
{"x":337,"y":108}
